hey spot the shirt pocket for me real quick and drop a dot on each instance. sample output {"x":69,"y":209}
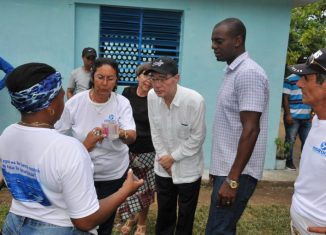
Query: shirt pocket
{"x":183,"y":131}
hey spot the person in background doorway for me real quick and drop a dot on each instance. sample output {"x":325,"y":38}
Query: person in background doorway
{"x":239,"y":130}
{"x":141,"y":156}
{"x":80,"y":77}
{"x":308,"y":209}
{"x":297,"y":115}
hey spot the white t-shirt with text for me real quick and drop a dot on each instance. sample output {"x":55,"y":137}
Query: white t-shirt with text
{"x":50,"y":175}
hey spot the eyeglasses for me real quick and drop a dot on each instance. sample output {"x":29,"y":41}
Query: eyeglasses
{"x":159,"y":78}
{"x":311,"y":61}
{"x":107,"y":78}
{"x":146,"y":76}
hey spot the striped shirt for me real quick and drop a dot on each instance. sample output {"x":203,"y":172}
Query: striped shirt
{"x":298,"y":110}
{"x":245,"y":88}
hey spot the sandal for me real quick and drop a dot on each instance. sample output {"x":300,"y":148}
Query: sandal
{"x":127,"y":227}
{"x":141,"y":230}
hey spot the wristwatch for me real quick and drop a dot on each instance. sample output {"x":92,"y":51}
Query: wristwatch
{"x":232,"y":183}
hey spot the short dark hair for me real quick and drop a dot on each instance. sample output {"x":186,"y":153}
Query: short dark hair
{"x":99,"y":63}
{"x":89,"y":51}
{"x":236,"y":27}
{"x":27,"y":75}
{"x":142,"y":68}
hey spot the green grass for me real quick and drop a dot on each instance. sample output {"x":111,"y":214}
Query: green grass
{"x":265,"y":219}
{"x":256,"y":220}
{"x":4,"y":208}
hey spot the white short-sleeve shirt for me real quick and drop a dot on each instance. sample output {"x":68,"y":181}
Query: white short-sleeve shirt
{"x":50,"y":175}
{"x":81,"y":115}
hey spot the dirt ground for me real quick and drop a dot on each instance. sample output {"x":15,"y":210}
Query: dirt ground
{"x":266,"y":192}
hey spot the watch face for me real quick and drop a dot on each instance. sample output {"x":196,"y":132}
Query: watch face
{"x":233,"y":184}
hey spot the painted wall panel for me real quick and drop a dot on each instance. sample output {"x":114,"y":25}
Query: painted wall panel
{"x":86,"y":29}
{"x":55,"y":32}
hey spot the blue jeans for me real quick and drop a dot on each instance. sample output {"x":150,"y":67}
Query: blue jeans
{"x":301,"y":127}
{"x":20,"y":225}
{"x":223,"y":220}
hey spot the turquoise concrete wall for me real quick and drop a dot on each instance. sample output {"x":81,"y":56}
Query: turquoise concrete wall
{"x":55,"y":32}
{"x":35,"y":31}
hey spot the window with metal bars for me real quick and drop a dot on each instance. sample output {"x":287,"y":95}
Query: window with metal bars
{"x":133,"y":36}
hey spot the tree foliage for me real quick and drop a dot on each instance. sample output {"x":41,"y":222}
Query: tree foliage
{"x":307,"y":30}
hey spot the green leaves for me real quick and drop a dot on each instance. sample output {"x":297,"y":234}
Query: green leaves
{"x":307,"y":30}
{"x":282,"y":148}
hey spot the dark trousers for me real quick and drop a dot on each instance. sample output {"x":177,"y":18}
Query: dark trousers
{"x":168,"y":195}
{"x":223,"y":220}
{"x":104,"y":189}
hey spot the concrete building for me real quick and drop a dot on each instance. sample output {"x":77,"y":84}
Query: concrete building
{"x":55,"y":32}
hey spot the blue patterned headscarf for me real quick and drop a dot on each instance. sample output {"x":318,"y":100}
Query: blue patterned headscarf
{"x":38,"y":96}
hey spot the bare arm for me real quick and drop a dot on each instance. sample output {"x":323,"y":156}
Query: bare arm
{"x":2,"y":182}
{"x":108,"y":205}
{"x":321,"y":230}
{"x":127,"y":136}
{"x":246,"y":145}
{"x":247,"y":142}
{"x":70,"y":93}
{"x":287,"y":112}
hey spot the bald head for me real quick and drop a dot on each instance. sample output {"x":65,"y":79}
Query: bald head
{"x":235,"y":26}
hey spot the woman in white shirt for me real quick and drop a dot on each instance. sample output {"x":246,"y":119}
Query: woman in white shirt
{"x":86,"y":113}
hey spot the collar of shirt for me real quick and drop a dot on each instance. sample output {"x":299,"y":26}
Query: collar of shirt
{"x":236,"y":62}
{"x":177,"y":98}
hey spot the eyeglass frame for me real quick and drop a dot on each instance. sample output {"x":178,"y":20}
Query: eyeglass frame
{"x":160,"y":80}
{"x":312,"y":60}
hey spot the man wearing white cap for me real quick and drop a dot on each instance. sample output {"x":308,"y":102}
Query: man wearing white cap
{"x":308,"y":209}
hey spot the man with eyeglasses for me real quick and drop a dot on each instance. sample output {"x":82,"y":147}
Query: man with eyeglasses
{"x":297,"y":115}
{"x":80,"y":77}
{"x":177,"y":122}
{"x":308,"y":209}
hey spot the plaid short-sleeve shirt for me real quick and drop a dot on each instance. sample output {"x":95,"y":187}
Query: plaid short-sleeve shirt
{"x":245,"y":88}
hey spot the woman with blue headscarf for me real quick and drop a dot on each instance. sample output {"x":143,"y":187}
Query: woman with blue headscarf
{"x":49,"y":175}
